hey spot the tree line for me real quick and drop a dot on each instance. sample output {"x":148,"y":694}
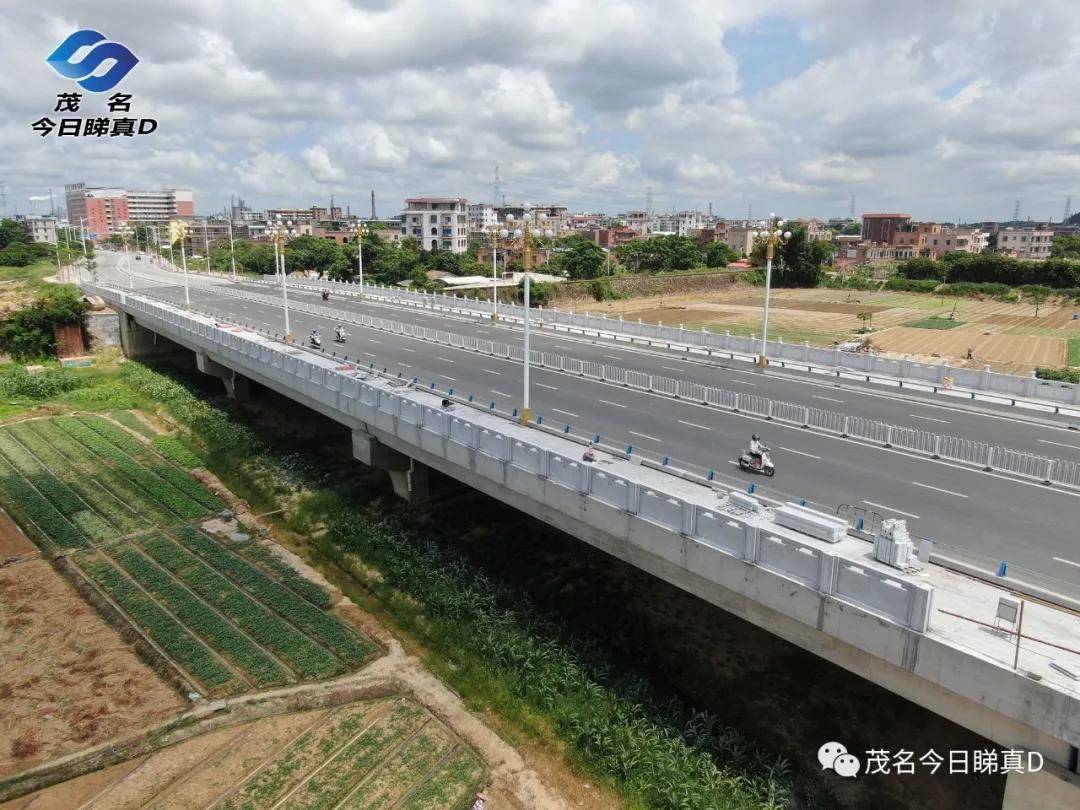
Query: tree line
{"x":16,"y":249}
{"x":993,"y":268}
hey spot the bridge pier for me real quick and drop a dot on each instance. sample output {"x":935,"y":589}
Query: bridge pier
{"x":236,"y":385}
{"x":1052,"y":788}
{"x":409,"y":478}
{"x":140,"y":343}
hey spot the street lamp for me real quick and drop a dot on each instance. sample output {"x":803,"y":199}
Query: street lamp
{"x":360,"y":231}
{"x":495,"y":233}
{"x":177,"y":232}
{"x":772,"y":232}
{"x":232,"y":253}
{"x":525,"y":234}
{"x":206,"y":239}
{"x":277,"y":233}
{"x":125,"y":232}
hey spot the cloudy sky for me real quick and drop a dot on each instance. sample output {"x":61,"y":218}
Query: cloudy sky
{"x":940,"y":109}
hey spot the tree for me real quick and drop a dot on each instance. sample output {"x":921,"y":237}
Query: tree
{"x":720,"y":254}
{"x":581,"y":259}
{"x":30,"y":333}
{"x":851,"y":229}
{"x":1037,"y":294}
{"x":922,"y":268}
{"x":1074,"y":219}
{"x":11,"y":232}
{"x":310,"y":254}
{"x":257,"y":258}
{"x":1065,"y":246}
{"x":867,"y":318}
{"x":798,"y":259}
{"x":660,"y":253}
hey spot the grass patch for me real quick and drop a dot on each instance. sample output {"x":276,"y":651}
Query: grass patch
{"x":1073,"y":358}
{"x":936,"y":322}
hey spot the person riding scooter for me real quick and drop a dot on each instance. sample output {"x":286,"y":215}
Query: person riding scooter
{"x":756,"y":449}
{"x":315,"y":339}
{"x":325,"y":295}
{"x":339,"y":333}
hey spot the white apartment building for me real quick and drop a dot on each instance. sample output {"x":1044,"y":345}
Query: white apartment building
{"x":682,"y":223}
{"x":151,"y":206}
{"x":639,"y":221}
{"x":481,"y":216}
{"x":438,"y":223}
{"x":1025,"y":243}
{"x":40,"y":229}
{"x":740,"y":238}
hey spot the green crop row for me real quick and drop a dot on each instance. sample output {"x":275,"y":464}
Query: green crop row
{"x":201,"y":620}
{"x":303,"y":654}
{"x":115,"y":512}
{"x":289,"y":576}
{"x":129,"y":420}
{"x":317,"y":623}
{"x":23,"y":500}
{"x":188,"y":485}
{"x":168,"y":633}
{"x":61,"y":496}
{"x":118,"y":437}
{"x":155,"y":487}
{"x":94,"y":467}
{"x":177,"y":452}
{"x":450,"y":785}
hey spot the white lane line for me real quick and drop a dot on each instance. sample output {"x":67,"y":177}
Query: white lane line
{"x":939,"y":489}
{"x":613,"y":404}
{"x":489,"y":371}
{"x":1060,"y":444}
{"x":612,"y":357}
{"x":743,"y":382}
{"x":1067,"y":562}
{"x":891,"y":509}
{"x":566,"y":413}
{"x":644,"y":436}
{"x":451,"y":379}
{"x":445,"y":360}
{"x":404,"y":365}
{"x":551,"y":387}
{"x":406,"y":349}
{"x":827,"y":399}
{"x":500,"y":393}
{"x":929,"y":419}
{"x":669,"y":368}
{"x":798,"y":452}
{"x":377,"y":342}
{"x":367,"y":354}
{"x":692,"y":424}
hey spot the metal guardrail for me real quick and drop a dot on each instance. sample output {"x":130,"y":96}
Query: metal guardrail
{"x":924,"y":443}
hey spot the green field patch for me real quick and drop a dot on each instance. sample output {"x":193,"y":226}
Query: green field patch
{"x":454,"y":781}
{"x":177,"y":452}
{"x":302,"y":654}
{"x":132,"y":422}
{"x":935,"y":322}
{"x":1073,"y":358}
{"x":166,"y":632}
{"x":289,"y":576}
{"x":38,"y":518}
{"x":201,"y":620}
{"x":403,"y":769}
{"x":353,"y":649}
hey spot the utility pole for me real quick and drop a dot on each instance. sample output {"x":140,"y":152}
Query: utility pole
{"x":373,"y":203}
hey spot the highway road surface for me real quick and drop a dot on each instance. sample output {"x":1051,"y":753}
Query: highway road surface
{"x":974,"y":515}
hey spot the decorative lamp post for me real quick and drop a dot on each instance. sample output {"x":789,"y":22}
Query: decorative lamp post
{"x":206,"y":239}
{"x":360,"y":233}
{"x":496,"y":232}
{"x":232,"y":253}
{"x":278,"y":232}
{"x":177,"y":232}
{"x":125,"y":232}
{"x":772,"y":231}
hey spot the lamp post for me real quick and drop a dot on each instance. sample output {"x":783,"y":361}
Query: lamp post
{"x":525,"y":234}
{"x":232,"y":253}
{"x":495,"y":232}
{"x":360,"y":231}
{"x":177,"y":232}
{"x":277,"y":233}
{"x":125,"y":232}
{"x":772,"y":232}
{"x":206,"y":239}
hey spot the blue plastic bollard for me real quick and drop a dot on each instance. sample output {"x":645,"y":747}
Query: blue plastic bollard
{"x":491,"y":407}
{"x":539,"y":420}
{"x":752,"y":488}
{"x":802,"y":501}
{"x":629,"y":449}
{"x":470,"y":397}
{"x":858,"y":524}
{"x":710,"y":476}
{"x":515,"y":412}
{"x":665,"y":461}
{"x":450,"y":393}
{"x":1003,"y":569}
{"x":566,"y":429}
{"x":433,"y":386}
{"x":596,"y":439}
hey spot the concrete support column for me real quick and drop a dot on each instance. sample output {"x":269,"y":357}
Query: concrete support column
{"x":140,"y":343}
{"x":409,"y":478}
{"x":236,"y":385}
{"x":1052,"y":788}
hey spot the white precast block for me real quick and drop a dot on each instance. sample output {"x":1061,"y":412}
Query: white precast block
{"x":525,"y":457}
{"x":903,"y":602}
{"x":493,"y":444}
{"x":609,"y":489}
{"x":409,"y":412}
{"x":566,"y":472}
{"x":718,"y":530}
{"x":436,"y":421}
{"x":741,"y":500}
{"x":790,"y":558}
{"x":462,"y":432}
{"x":661,"y":509}
{"x":809,"y":521}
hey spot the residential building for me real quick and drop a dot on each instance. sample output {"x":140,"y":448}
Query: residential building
{"x":549,"y":218}
{"x":105,"y":210}
{"x":439,"y":223}
{"x":196,"y":236}
{"x":815,"y":229}
{"x":1025,"y":243}
{"x":314,"y":213}
{"x":713,"y":233}
{"x":609,"y":238}
{"x":874,"y":252}
{"x":40,"y":229}
{"x":640,"y":221}
{"x":879,"y":228}
{"x":740,"y":238}
{"x":680,"y":224}
{"x":481,"y":216}
{"x":585,"y":221}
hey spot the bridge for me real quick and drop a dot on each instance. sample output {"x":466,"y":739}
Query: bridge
{"x":788,"y":567}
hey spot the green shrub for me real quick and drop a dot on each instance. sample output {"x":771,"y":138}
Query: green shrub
{"x":601,"y":289}
{"x":43,"y":385}
{"x":30,"y":333}
{"x":971,"y":289}
{"x":1069,"y":375}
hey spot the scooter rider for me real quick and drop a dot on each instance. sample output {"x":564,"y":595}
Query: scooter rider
{"x":339,"y":333}
{"x":315,"y":338}
{"x":325,"y":295}
{"x":757,"y":447}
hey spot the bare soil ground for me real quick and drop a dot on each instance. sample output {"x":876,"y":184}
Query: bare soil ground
{"x":12,"y":540}
{"x":67,"y":680}
{"x":1010,"y":337}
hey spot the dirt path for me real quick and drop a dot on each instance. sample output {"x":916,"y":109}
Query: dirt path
{"x":13,"y":542}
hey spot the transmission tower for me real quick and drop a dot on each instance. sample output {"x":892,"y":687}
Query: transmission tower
{"x":1016,"y":212}
{"x":648,"y":200}
{"x":495,"y":189}
{"x":851,"y":208}
{"x":1068,"y":209}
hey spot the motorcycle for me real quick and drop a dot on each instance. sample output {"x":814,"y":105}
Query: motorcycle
{"x":325,"y":295}
{"x":339,"y":336}
{"x":764,"y":465}
{"x":315,"y":342}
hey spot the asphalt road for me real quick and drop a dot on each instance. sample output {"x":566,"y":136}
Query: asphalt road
{"x":985,"y":515}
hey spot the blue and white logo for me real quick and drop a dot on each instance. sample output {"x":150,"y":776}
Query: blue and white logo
{"x":123,"y":61}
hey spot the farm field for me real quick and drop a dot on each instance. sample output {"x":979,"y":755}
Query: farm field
{"x":1007,"y":336}
{"x":226,"y":618}
{"x":389,"y":752}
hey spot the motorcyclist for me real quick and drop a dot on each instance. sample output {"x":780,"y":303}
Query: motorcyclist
{"x":325,"y":295}
{"x":315,"y":338}
{"x":756,"y":449}
{"x":339,"y":333}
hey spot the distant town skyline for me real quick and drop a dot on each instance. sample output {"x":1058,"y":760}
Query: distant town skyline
{"x":779,"y":105}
